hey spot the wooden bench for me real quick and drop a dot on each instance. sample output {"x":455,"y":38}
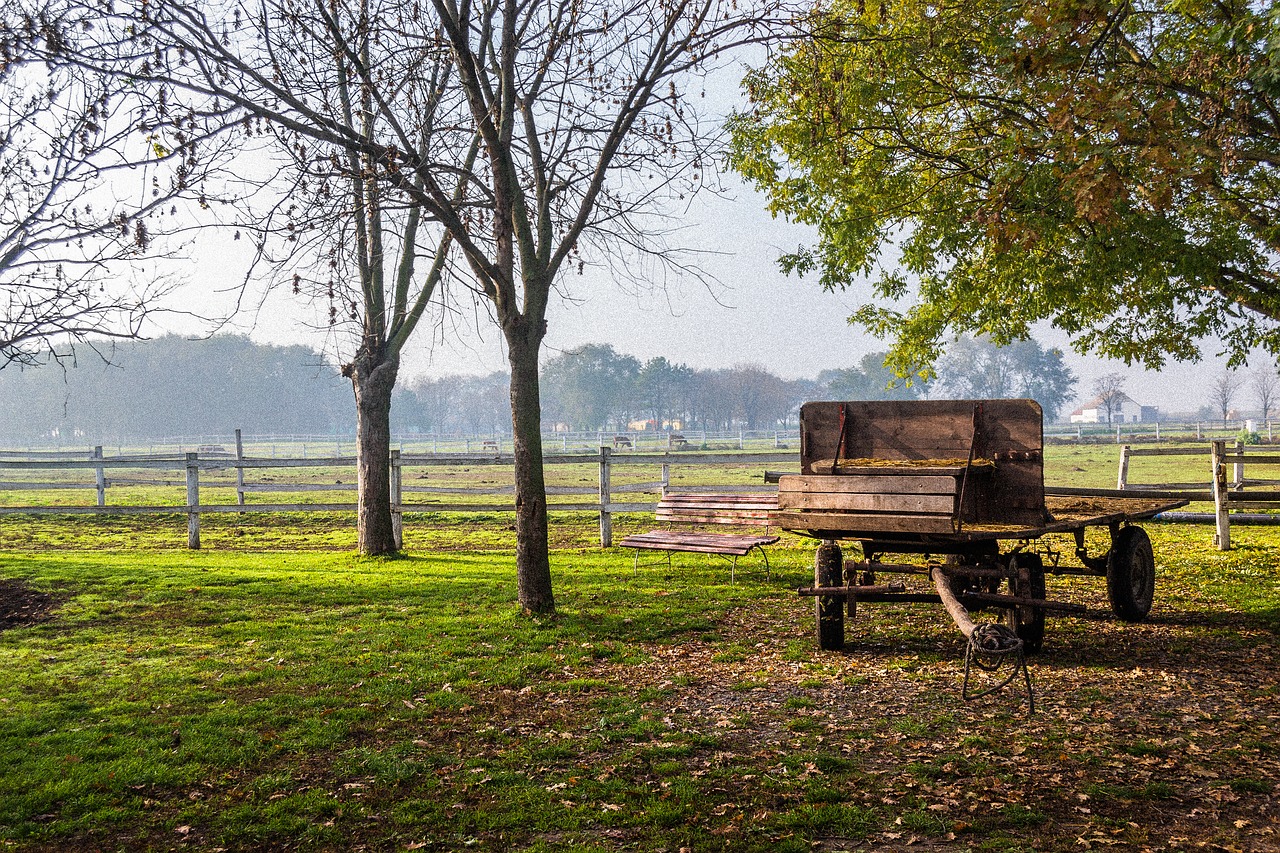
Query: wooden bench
{"x":738,"y":510}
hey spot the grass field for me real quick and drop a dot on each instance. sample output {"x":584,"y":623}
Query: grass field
{"x":273,"y":691}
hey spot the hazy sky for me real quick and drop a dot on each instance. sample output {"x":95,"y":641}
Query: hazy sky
{"x":756,"y":313}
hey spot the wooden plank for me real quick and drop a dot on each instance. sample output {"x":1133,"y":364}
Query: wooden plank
{"x":758,"y":511}
{"x":713,"y":518}
{"x":1169,"y":451}
{"x":761,"y":511}
{"x":916,"y":484}
{"x":746,"y":512}
{"x":1253,"y":497}
{"x":679,"y":537}
{"x":863,"y":522}
{"x":1132,"y":492}
{"x":1250,"y":458}
{"x":45,"y":486}
{"x":917,"y":504}
{"x":919,"y":429}
{"x":705,"y":543}
{"x":718,"y":499}
{"x":688,"y":548}
{"x":903,"y":468}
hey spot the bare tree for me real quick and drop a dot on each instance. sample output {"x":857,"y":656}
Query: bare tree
{"x":1108,"y":392}
{"x":84,"y":198}
{"x":339,"y":108}
{"x":567,"y":131}
{"x":586,"y":111}
{"x":1264,"y":381}
{"x":1222,"y":392}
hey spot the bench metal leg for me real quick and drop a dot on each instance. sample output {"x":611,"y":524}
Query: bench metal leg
{"x":733,"y":563}
{"x":635,"y":564}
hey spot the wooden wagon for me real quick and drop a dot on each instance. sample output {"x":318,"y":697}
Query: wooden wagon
{"x":961,"y":481}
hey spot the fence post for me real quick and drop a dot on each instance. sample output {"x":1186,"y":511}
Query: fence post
{"x":1222,"y":536}
{"x":666,"y":478}
{"x":1157,"y":432}
{"x":1122,"y":476}
{"x":606,"y":519}
{"x":239,"y":469}
{"x":193,"y":502}
{"x":397,"y":515}
{"x":1198,"y":436}
{"x":101,"y":477}
{"x":1117,"y":433}
{"x":1239,"y":468}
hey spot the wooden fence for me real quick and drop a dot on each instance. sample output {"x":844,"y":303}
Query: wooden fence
{"x":193,"y":465}
{"x":1226,"y":486}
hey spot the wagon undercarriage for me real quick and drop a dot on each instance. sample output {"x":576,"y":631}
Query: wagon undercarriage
{"x":959,"y":483}
{"x":1001,"y":569}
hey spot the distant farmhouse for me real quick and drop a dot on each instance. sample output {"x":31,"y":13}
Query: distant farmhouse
{"x":1124,"y":410}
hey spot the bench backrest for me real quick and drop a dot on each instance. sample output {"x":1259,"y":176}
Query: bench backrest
{"x":717,"y":509}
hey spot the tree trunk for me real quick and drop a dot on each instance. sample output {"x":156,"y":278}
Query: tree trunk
{"x":373,"y":378}
{"x":533,"y":563}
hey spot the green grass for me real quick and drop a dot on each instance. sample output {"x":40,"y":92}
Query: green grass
{"x":273,"y":688}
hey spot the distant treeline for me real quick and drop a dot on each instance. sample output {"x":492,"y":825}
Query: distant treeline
{"x":595,"y":387}
{"x":172,"y":386}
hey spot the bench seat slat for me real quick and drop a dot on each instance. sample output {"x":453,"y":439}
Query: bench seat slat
{"x":705,"y":543}
{"x":726,"y":499}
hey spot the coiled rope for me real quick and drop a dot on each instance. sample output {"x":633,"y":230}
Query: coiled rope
{"x":990,"y":646}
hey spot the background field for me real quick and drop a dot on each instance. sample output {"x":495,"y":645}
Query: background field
{"x":273,"y":690}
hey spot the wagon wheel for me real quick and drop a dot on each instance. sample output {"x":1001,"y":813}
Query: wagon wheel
{"x":1131,"y":574}
{"x":1026,"y":622}
{"x":828,"y":570}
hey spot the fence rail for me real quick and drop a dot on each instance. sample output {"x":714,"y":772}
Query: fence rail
{"x":1226,"y":486}
{"x":577,"y":442}
{"x":193,"y":466}
{"x":1226,"y":492}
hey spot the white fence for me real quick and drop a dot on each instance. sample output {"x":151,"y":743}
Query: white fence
{"x":1225,"y":486}
{"x":192,"y":466}
{"x":323,"y":446}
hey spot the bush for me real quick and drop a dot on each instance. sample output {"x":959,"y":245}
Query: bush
{"x":1247,"y":437}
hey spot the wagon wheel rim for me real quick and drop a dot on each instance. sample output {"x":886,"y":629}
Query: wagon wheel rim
{"x":1143,"y":574}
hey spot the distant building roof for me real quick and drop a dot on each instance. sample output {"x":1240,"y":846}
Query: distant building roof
{"x":1097,"y":403}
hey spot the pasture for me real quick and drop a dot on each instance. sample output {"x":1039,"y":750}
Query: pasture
{"x":274,"y":691}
